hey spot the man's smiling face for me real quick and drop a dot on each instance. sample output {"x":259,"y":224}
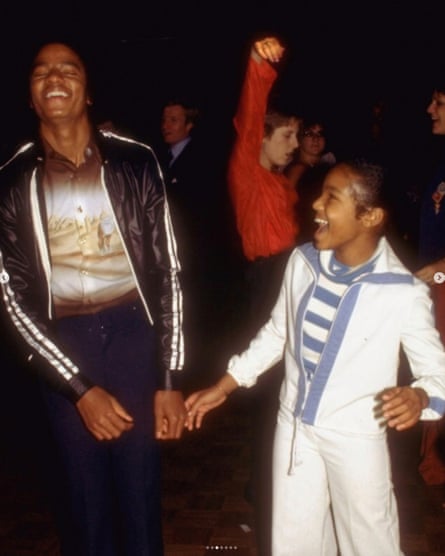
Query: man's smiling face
{"x":58,"y":85}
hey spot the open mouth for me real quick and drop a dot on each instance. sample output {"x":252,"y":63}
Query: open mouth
{"x":321,"y":222}
{"x":322,"y":226}
{"x":56,"y":94}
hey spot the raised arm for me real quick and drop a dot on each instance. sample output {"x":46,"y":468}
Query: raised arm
{"x":269,"y":49}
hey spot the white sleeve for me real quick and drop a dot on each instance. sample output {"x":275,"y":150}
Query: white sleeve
{"x":425,"y":352}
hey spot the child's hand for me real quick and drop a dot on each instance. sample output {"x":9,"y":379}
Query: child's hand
{"x":402,"y":406}
{"x":201,"y":402}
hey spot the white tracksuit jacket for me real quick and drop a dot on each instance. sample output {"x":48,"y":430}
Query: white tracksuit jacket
{"x":380,"y":312}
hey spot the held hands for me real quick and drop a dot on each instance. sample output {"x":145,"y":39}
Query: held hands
{"x":402,"y":406}
{"x":201,"y":402}
{"x":268,"y":49}
{"x":103,"y":415}
{"x":170,"y":414}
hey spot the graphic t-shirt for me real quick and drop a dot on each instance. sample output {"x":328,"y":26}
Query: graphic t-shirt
{"x":90,"y":269}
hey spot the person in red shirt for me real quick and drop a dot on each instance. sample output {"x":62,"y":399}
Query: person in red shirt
{"x":266,"y":139}
{"x":264,"y":203}
{"x":263,"y":199}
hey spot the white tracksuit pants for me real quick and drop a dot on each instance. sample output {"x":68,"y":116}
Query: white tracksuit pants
{"x":326,"y":480}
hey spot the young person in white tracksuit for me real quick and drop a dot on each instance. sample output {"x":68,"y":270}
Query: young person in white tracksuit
{"x":346,"y":306}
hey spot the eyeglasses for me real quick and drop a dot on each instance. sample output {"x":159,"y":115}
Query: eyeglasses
{"x":313,"y":134}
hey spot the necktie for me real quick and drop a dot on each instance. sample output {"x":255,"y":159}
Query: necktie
{"x":169,"y":157}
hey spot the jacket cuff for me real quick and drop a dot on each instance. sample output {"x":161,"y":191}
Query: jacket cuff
{"x":78,"y":387}
{"x":173,"y":380}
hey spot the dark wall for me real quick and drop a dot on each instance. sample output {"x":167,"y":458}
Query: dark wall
{"x":339,"y":60}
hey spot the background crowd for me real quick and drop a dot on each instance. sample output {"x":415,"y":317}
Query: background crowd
{"x":376,"y":124}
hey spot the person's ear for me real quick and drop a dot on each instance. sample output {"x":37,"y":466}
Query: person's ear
{"x":373,"y":217}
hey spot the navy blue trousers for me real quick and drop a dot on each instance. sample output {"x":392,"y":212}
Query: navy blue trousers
{"x":110,"y":490}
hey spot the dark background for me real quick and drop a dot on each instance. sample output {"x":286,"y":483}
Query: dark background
{"x":340,"y":58}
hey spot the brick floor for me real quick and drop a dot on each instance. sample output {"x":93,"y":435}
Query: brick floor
{"x":204,"y":478}
{"x":204,"y":509}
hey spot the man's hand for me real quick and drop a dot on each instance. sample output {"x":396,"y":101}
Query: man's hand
{"x":103,"y":415}
{"x":402,"y":406}
{"x":170,"y":414}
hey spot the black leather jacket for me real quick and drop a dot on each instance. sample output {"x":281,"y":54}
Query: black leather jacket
{"x":134,"y":184}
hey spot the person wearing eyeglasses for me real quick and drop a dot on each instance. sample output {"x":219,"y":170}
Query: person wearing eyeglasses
{"x":263,"y":201}
{"x":307,"y":171}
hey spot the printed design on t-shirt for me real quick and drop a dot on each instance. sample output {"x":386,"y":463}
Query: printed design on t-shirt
{"x":105,"y":231}
{"x":89,"y":264}
{"x":86,"y":227}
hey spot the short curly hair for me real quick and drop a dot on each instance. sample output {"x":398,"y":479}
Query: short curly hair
{"x":367,"y":184}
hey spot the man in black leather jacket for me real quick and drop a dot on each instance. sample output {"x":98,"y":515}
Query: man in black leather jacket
{"x":89,"y":277}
